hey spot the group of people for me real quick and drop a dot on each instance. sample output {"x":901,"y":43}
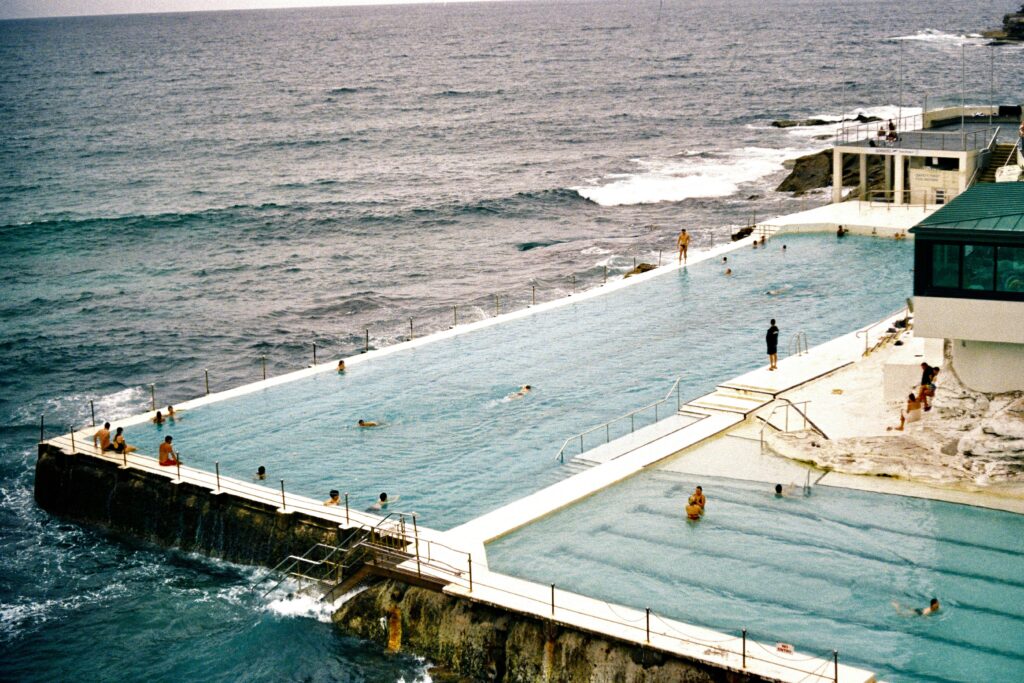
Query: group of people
{"x":117,"y":444}
{"x":381,"y":503}
{"x":921,"y":401}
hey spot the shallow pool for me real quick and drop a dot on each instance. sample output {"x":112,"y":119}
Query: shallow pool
{"x":453,"y":447}
{"x":820,"y":572}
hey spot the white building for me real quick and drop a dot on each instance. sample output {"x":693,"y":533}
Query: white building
{"x":969,"y":284}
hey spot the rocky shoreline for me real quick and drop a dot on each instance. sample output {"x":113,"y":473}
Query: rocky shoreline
{"x":1012,"y":31}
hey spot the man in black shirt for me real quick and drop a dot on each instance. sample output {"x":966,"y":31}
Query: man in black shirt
{"x":772,"y":340}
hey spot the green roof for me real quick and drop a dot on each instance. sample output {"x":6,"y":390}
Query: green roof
{"x":991,"y":207}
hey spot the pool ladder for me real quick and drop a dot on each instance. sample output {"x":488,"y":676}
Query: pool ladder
{"x":798,"y":344}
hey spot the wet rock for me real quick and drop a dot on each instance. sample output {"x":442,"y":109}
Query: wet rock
{"x":793,"y":123}
{"x":640,"y":268}
{"x":742,"y":232}
{"x":1012,"y":31}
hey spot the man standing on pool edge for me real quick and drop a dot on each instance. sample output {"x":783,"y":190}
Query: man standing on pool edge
{"x":771,"y":338}
{"x":684,"y":244}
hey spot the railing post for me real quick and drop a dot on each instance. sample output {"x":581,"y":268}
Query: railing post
{"x":410,"y":328}
{"x":217,"y":466}
{"x":455,"y":316}
{"x":177,"y":463}
{"x":574,"y":283}
{"x":73,"y":440}
{"x":534,"y":296}
{"x":206,"y":372}
{"x":314,"y":353}
{"x":552,"y":599}
{"x":632,"y":426}
{"x":648,"y":625}
{"x":581,"y":443}
{"x":263,"y":362}
{"x":835,"y":661}
{"x":606,"y":274}
{"x":416,"y":535}
{"x":607,"y":432}
{"x":366,"y":346}
{"x":152,"y":396}
{"x":744,"y":648}
{"x":659,"y":258}
{"x":92,"y":409}
{"x":497,"y":305}
{"x":283,"y":506}
{"x":679,"y":405}
{"x":346,"y":507}
{"x":470,"y":560}
{"x":42,"y":428}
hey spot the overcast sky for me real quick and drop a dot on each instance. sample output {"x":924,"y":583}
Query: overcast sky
{"x":20,"y":9}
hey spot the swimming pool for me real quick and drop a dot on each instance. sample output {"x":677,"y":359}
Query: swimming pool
{"x":453,"y":447}
{"x":819,"y":572}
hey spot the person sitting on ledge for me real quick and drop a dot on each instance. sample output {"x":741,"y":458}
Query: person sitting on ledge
{"x":101,"y":439}
{"x":341,"y":366}
{"x":783,"y":491}
{"x":335,"y":498}
{"x":261,"y":473}
{"x":367,"y":423}
{"x":167,"y":455}
{"x":912,"y":414}
{"x":119,"y":445}
{"x":158,"y":419}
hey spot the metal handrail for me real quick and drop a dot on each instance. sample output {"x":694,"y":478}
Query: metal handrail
{"x":798,"y":341}
{"x":865,"y":331}
{"x":630,"y":415}
{"x":1020,"y":144}
{"x":789,"y":404}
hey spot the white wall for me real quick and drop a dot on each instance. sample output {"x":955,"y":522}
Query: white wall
{"x":988,"y":366}
{"x":979,"y":319}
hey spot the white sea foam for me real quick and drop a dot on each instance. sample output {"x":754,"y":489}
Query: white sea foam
{"x":686,"y":176}
{"x":936,"y":37}
{"x":883,"y":112}
{"x":300,"y":605}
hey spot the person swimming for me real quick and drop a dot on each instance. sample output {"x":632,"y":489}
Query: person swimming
{"x":367,"y":423}
{"x":523,"y":391}
{"x":778,"y":290}
{"x":383,"y":501}
{"x":932,"y":608}
{"x":341,"y":366}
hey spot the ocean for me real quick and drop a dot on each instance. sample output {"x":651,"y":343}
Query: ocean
{"x":191,"y":192}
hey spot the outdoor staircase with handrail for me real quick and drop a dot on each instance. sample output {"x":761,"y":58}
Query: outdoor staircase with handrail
{"x":1000,"y":156}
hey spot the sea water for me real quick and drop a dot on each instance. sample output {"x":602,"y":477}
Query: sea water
{"x":194,"y":191}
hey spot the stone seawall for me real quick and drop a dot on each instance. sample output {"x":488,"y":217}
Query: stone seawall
{"x":150,"y":507}
{"x":475,"y":642}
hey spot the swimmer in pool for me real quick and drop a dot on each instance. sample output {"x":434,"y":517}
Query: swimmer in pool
{"x":523,"y":391}
{"x":335,"y":498}
{"x":341,"y":366}
{"x":695,"y":504}
{"x":383,"y":501}
{"x":728,"y":271}
{"x":932,"y":608}
{"x":367,"y":423}
{"x":783,"y":491}
{"x":158,"y":419}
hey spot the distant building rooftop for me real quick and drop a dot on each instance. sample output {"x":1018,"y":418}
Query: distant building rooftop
{"x":982,"y":208}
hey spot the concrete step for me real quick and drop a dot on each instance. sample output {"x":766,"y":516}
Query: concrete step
{"x":731,"y":402}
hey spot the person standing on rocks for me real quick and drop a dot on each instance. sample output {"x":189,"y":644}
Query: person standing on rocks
{"x":771,"y":339}
{"x":684,"y":243}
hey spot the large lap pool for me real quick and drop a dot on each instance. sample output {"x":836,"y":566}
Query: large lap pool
{"x":453,"y":447}
{"x":820,"y":572}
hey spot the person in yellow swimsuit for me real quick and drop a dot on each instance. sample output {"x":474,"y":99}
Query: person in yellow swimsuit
{"x":684,"y":243}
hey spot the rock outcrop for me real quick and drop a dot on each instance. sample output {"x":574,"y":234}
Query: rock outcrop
{"x":792,"y":123}
{"x":640,"y":268}
{"x":1012,"y":31}
{"x":968,"y":438}
{"x":814,"y":171}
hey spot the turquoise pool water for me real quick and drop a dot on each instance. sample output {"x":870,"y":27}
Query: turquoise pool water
{"x":819,"y":572}
{"x":453,"y":447}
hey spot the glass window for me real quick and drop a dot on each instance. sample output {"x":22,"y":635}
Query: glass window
{"x":979,"y":267}
{"x":1010,"y":269}
{"x":946,"y":265}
